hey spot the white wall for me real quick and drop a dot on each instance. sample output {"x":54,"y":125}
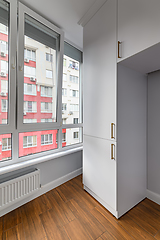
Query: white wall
{"x":154,"y":132}
{"x":131,"y":144}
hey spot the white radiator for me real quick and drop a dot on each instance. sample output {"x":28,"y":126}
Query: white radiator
{"x":18,"y":188}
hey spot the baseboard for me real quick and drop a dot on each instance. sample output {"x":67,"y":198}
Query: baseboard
{"x":155,"y":197}
{"x":110,"y":209}
{"x":43,"y":190}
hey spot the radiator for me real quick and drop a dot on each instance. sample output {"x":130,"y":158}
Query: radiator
{"x":18,"y":188}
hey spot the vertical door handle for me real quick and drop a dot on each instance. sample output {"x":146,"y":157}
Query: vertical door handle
{"x":119,"y":49}
{"x":112,"y":131}
{"x":112,"y":152}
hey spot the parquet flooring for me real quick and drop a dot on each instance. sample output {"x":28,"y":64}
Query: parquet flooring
{"x":69,"y":212}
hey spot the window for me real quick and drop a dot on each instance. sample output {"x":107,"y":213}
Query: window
{"x":64,"y":137}
{"x":64,"y":106}
{"x":64,"y":91}
{"x":74,"y":107}
{"x":49,"y":57}
{"x":46,"y":91}
{"x":29,"y":89}
{"x":64,"y":62}
{"x":74,"y":93}
{"x":74,"y":79}
{"x":64,"y":120}
{"x":34,"y":125}
{"x":4,"y":86}
{"x":30,"y":106}
{"x":29,"y":55}
{"x":25,"y":120}
{"x":4,"y":103}
{"x":46,"y":119}
{"x":46,"y":139}
{"x":46,"y":107}
{"x":64,"y":77}
{"x":29,"y":71}
{"x":75,"y":120}
{"x":49,"y":74}
{"x":6,"y":144}
{"x":29,"y":141}
{"x":75,"y":135}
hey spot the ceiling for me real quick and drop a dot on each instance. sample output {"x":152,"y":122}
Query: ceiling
{"x":65,"y":14}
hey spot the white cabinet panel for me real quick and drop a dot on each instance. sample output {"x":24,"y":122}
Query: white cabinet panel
{"x":100,"y":72}
{"x":99,"y":171}
{"x":138,"y":25}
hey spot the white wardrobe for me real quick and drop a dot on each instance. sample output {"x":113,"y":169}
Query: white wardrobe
{"x":115,"y":106}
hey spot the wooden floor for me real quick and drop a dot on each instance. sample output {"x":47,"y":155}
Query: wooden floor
{"x":68,"y":212}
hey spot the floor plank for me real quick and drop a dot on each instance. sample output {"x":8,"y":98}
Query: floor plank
{"x":1,"y":227}
{"x":15,"y":233}
{"x":134,"y":229}
{"x":93,"y":228}
{"x":12,"y":219}
{"x":53,"y":228}
{"x":157,"y":236}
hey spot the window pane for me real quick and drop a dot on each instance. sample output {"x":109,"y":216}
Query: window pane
{"x":36,"y":142}
{"x":71,"y":86}
{"x":5,"y":147}
{"x":40,"y":71}
{"x":71,"y":136}
{"x":4,"y":74}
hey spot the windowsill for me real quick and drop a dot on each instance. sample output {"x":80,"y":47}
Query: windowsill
{"x":38,"y":160}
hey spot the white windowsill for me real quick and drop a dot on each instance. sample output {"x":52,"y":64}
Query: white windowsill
{"x":34,"y":161}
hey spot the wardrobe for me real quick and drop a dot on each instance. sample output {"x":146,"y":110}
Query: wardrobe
{"x":121,"y":76}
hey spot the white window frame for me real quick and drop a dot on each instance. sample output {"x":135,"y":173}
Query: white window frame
{"x":26,"y":88}
{"x":9,"y":147}
{"x":29,"y":143}
{"x":45,"y":141}
{"x":46,"y":88}
{"x":26,"y":55}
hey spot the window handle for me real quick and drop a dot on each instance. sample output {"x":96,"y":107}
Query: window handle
{"x":21,"y":68}
{"x":119,"y":49}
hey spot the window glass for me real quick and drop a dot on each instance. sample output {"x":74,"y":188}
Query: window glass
{"x":39,"y":78}
{"x":4,"y":59}
{"x":5,"y":147}
{"x":71,"y":136}
{"x":36,"y":142}
{"x":71,"y":85}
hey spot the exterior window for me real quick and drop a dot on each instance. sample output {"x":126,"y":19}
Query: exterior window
{"x":64,"y":137}
{"x":75,"y":135}
{"x":46,"y":120}
{"x":4,"y":121}
{"x":75,"y":120}
{"x":29,"y":71}
{"x":25,"y":120}
{"x":4,"y":87}
{"x":73,"y":79}
{"x":4,"y":68}
{"x":74,"y":107}
{"x":46,"y":107}
{"x":49,"y":74}
{"x":4,"y":103}
{"x":74,"y":93}
{"x":64,"y":62}
{"x":64,"y":91}
{"x":64,"y":120}
{"x":49,"y":57}
{"x":6,"y":144}
{"x":46,"y":91}
{"x":46,"y":139}
{"x":29,"y":55}
{"x":73,"y":65}
{"x":64,"y":77}
{"x":64,"y":106}
{"x":30,"y":106}
{"x":29,"y":89}
{"x":3,"y":29}
{"x":4,"y":46}
{"x":29,"y":141}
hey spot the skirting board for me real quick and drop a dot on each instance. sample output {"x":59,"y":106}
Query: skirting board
{"x":43,"y":190}
{"x":155,"y":197}
{"x":115,"y":213}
